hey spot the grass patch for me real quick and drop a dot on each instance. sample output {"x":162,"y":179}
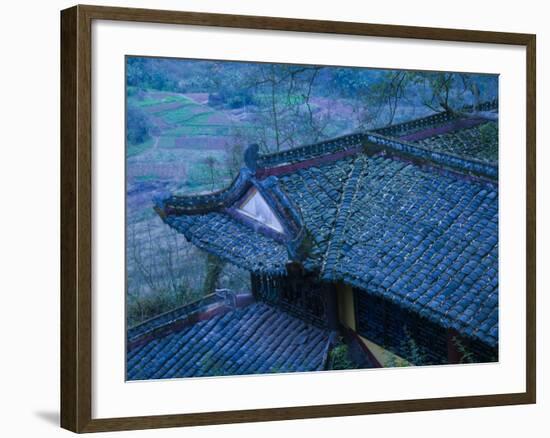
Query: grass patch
{"x":145,"y":178}
{"x":141,"y":308}
{"x":188,"y":113}
{"x":167,"y":142}
{"x":193,"y":130}
{"x":161,"y":112}
{"x":148,"y":101}
{"x":198,"y":176}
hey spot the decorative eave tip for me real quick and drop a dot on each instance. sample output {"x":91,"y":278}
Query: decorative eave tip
{"x":251,"y":157}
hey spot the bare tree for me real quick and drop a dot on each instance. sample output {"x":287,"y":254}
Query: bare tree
{"x":211,"y":162}
{"x":436,"y":91}
{"x":214,"y":267}
{"x":234,"y":159}
{"x":158,"y":270}
{"x":284,"y":113}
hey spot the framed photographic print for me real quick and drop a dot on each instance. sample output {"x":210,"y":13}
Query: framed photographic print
{"x":342,"y":224}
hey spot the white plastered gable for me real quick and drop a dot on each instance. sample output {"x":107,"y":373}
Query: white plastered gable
{"x":255,"y":207}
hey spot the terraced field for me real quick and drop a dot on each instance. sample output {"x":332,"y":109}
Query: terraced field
{"x":188,"y":153}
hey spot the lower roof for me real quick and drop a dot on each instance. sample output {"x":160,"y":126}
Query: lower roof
{"x":253,"y":339}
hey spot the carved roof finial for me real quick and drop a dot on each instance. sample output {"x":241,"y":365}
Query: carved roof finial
{"x":251,"y":157}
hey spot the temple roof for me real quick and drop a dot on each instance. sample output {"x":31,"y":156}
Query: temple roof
{"x":403,"y":219}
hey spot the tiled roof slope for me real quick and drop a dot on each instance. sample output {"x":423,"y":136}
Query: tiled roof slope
{"x":220,"y":234}
{"x":424,"y":240}
{"x":479,"y":141}
{"x":317,"y":191}
{"x":250,"y":340}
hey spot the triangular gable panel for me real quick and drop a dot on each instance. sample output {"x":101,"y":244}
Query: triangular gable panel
{"x":257,"y":208}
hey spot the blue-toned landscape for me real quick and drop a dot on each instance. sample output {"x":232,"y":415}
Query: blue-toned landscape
{"x":285,"y":218}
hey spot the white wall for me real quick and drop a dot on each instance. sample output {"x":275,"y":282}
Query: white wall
{"x":29,"y":229}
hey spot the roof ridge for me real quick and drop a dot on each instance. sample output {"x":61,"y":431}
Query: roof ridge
{"x":349,"y":193}
{"x":207,"y":306}
{"x":445,"y":159}
{"x":312,"y":150}
{"x":440,"y":117}
{"x":351,"y":142}
{"x":197,"y":204}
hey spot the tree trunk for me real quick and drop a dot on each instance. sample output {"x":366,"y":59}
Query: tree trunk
{"x":214,"y":267}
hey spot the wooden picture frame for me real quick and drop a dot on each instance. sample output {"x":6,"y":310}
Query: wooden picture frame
{"x":76,"y":217}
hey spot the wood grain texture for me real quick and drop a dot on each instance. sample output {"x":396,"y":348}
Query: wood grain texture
{"x":69,"y":377}
{"x":76,"y":219}
{"x":299,"y":25}
{"x":531,"y":217}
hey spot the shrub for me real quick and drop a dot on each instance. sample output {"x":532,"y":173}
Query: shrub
{"x":414,"y":353}
{"x":142,"y":307}
{"x":411,"y":352}
{"x":489,"y":133}
{"x":466,"y":356}
{"x":138,"y":126}
{"x":339,"y":358}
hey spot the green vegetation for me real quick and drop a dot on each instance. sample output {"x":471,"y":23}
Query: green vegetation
{"x":489,"y":134}
{"x":466,"y":356}
{"x":409,"y":350}
{"x":138,"y":126}
{"x":143,"y":178}
{"x":396,"y":362}
{"x":136,"y":149}
{"x":276,"y":368}
{"x":414,"y":353}
{"x":181,"y":100}
{"x":187,"y":114}
{"x":339,"y":358}
{"x":199,"y":129}
{"x":214,"y":268}
{"x":212,"y":366}
{"x":147,"y":98}
{"x":141,"y":308}
{"x":167,"y":142}
{"x":164,"y":271}
{"x":206,"y":172}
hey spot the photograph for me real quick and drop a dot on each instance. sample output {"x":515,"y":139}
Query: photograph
{"x":250,"y":219}
{"x":301,"y":218}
